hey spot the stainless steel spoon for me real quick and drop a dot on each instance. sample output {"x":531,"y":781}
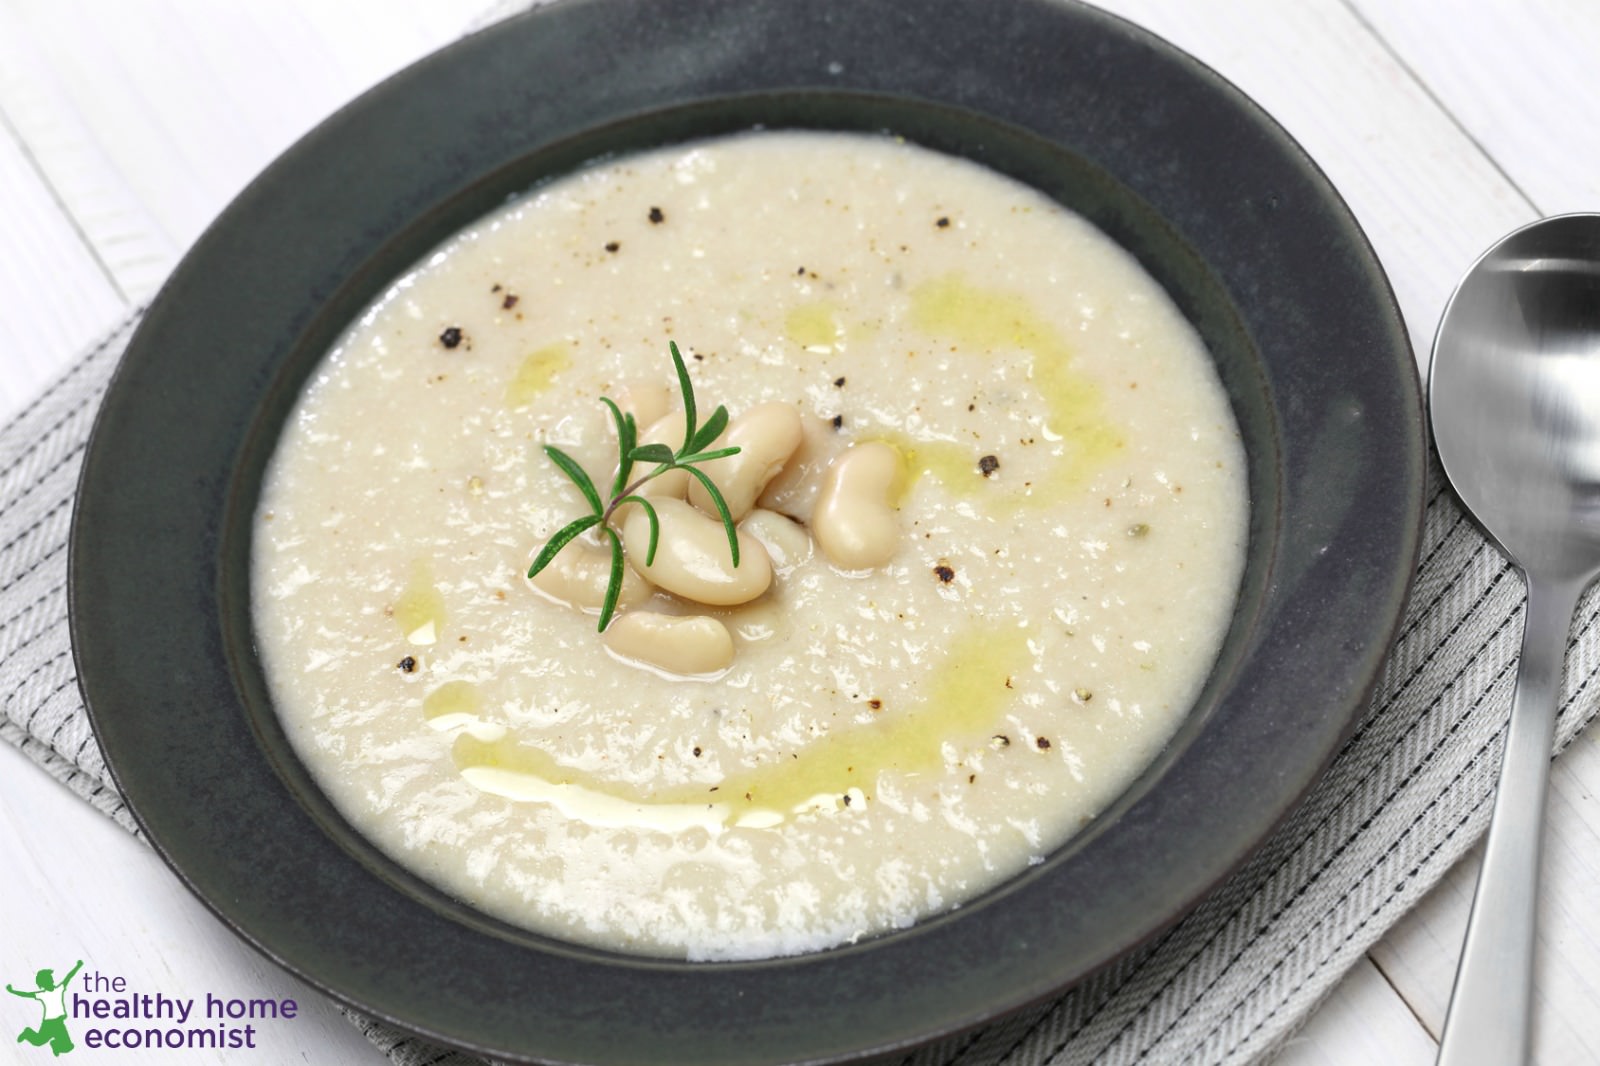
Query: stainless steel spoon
{"x":1514,"y":397}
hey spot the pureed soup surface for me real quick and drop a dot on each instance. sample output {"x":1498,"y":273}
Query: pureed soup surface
{"x":887,"y":742}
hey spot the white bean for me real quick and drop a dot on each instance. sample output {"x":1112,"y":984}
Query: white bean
{"x":668,"y":430}
{"x":647,"y":403}
{"x":692,"y":558}
{"x":854,"y":520}
{"x":794,"y":490}
{"x":678,"y":644}
{"x":785,"y":539}
{"x":766,"y":436}
{"x":580,"y":574}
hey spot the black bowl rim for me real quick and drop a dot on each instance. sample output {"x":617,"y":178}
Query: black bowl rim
{"x":161,"y":648}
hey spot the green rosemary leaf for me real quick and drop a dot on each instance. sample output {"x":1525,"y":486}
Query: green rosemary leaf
{"x":687,"y":390}
{"x":655,"y":525}
{"x":564,"y":537}
{"x":652,"y":453}
{"x":710,"y":431}
{"x":702,"y":457}
{"x":570,"y":467}
{"x":630,"y":451}
{"x":722,"y":511}
{"x":625,"y":442}
{"x":614,"y":589}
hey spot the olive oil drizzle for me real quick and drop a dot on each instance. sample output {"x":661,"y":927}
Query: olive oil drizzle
{"x":420,"y":608}
{"x":814,"y":326}
{"x":536,"y":373}
{"x":962,"y":703}
{"x":979,"y":321}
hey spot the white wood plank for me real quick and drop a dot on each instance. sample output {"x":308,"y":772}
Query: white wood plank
{"x":1479,"y":60}
{"x":88,"y":890}
{"x":1532,"y":134}
{"x":1361,"y":1021}
{"x":1431,"y":199}
{"x":1419,"y":955}
{"x":123,"y":138}
{"x":104,"y":97}
{"x":122,"y":236}
{"x":1567,"y":968}
{"x":54,"y":295}
{"x":1427,"y":197}
{"x":187,"y":100}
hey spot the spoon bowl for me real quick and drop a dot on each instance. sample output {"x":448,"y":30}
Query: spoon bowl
{"x":1514,"y":400}
{"x":1515,"y":395}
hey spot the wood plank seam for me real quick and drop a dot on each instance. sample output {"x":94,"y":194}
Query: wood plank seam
{"x":1444,"y":110}
{"x":67,"y":213}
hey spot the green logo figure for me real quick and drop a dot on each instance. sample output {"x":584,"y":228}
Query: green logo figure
{"x":52,"y":997}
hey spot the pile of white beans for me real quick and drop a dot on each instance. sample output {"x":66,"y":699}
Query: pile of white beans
{"x":793,"y":483}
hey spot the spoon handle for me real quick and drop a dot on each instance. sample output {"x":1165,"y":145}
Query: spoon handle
{"x":1489,"y":1007}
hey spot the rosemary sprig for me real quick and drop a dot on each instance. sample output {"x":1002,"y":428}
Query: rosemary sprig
{"x":696,"y":439}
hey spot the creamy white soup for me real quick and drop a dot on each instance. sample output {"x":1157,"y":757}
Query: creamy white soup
{"x":1048,"y":477}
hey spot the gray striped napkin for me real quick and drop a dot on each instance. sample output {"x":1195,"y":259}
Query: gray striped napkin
{"x":1404,"y":799}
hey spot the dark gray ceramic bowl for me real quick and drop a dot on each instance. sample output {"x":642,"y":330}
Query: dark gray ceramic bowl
{"x":1215,"y":200}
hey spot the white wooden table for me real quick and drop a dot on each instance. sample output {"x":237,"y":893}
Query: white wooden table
{"x":126,"y":126}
